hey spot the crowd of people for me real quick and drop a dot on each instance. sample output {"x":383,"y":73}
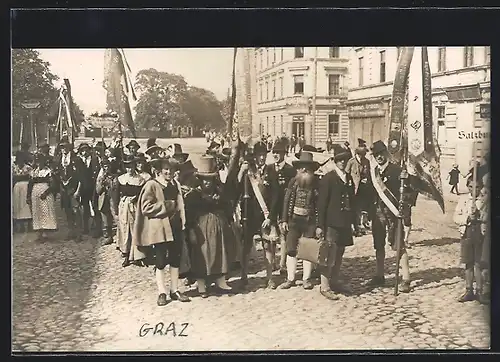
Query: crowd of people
{"x":203,"y":222}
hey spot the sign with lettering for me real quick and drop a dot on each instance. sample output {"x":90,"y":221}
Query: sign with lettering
{"x":485,"y":110}
{"x":364,"y":107}
{"x":473,"y":134}
{"x":298,"y":105}
{"x":31,"y":104}
{"x":464,"y":94}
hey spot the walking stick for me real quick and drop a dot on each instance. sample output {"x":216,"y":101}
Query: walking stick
{"x":399,"y":226}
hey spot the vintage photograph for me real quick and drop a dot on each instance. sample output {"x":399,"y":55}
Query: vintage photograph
{"x":250,"y":199}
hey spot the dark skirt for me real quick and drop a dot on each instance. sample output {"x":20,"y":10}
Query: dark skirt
{"x":212,"y":246}
{"x":340,"y":236}
{"x":471,"y":245}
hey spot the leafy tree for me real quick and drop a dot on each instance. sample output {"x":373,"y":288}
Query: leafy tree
{"x":33,"y":80}
{"x":161,"y":96}
{"x":203,"y":109}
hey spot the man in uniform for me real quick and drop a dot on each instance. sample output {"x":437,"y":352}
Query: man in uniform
{"x":285,"y":173}
{"x":386,"y":181}
{"x":262,"y":208}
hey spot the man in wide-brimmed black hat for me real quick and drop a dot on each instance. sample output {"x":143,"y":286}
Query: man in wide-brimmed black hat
{"x":336,"y":217}
{"x":133,"y":148}
{"x":262,"y":208}
{"x":386,"y":182}
{"x":299,"y":216}
{"x":359,"y":169}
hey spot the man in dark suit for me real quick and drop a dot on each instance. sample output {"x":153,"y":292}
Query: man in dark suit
{"x":384,"y":214}
{"x":336,"y":216}
{"x":285,"y":173}
{"x":90,"y":171}
{"x":68,"y":168}
{"x":261,"y":219}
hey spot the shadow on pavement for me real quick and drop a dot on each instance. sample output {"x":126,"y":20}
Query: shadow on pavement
{"x":433,"y":275}
{"x":437,"y":242}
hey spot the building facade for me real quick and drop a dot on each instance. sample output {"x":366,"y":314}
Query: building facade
{"x":301,"y":91}
{"x":460,"y":94}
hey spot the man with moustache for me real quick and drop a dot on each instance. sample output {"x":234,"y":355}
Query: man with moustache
{"x":300,"y":218}
{"x":336,"y":215}
{"x":261,"y":219}
{"x":285,"y":173}
{"x":385,"y":178}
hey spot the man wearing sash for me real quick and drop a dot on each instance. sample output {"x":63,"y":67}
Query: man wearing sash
{"x":386,"y":181}
{"x":262,"y":208}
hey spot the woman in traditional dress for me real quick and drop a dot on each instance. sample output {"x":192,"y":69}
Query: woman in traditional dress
{"x":21,"y":213}
{"x":142,"y":167}
{"x":40,"y":196}
{"x":213,"y":242}
{"x":129,"y":186}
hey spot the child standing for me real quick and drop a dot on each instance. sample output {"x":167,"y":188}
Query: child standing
{"x":453,"y":175}
{"x":468,"y":216}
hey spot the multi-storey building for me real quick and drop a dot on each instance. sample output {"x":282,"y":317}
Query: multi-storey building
{"x":301,"y":91}
{"x":460,"y":94}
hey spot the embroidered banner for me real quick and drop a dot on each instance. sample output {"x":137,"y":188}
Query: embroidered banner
{"x":398,"y":102}
{"x":423,"y":148}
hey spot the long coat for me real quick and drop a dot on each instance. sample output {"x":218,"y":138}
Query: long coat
{"x":335,"y":201}
{"x":152,"y":225}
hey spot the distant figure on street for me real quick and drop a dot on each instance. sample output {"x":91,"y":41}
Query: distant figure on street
{"x":302,"y":142}
{"x":329,"y":143}
{"x":453,"y":175}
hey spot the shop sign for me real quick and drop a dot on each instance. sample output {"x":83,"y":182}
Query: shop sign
{"x":464,"y":94}
{"x":298,"y":105}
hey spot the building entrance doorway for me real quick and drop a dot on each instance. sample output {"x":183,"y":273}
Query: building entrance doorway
{"x":298,"y":126}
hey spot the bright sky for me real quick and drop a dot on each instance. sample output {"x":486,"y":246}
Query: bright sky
{"x":208,"y":68}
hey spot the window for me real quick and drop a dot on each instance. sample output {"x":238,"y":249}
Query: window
{"x":360,"y":70}
{"x":333,"y":84}
{"x":274,"y":55}
{"x":299,"y":52}
{"x":281,"y":87}
{"x":267,"y":91}
{"x":334,"y":52}
{"x":333,"y":124}
{"x":486,"y":55}
{"x":274,"y":89}
{"x":281,"y":54}
{"x":260,"y":93}
{"x":267,"y":57}
{"x":468,"y":56}
{"x":382,"y":66}
{"x":298,"y":81}
{"x":440,"y":112}
{"x":441,"y":59}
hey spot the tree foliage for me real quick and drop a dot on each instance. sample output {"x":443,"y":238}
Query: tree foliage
{"x":32,"y":79}
{"x":166,"y":100}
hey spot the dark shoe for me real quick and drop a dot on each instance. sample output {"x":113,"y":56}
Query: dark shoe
{"x":306,"y":284}
{"x":376,"y":282}
{"x":203,"y":294}
{"x":271,"y":284}
{"x":179,"y":296}
{"x":287,"y":285}
{"x":162,"y":300}
{"x":222,"y":291}
{"x":468,"y":296}
{"x":405,"y":286}
{"x":341,"y":289}
{"x":107,"y":241}
{"x":243,"y":281}
{"x":188,"y":282}
{"x":126,"y":263}
{"x":483,"y":298}
{"x":329,"y":294}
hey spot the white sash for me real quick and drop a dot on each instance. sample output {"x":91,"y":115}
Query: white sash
{"x":258,"y":195}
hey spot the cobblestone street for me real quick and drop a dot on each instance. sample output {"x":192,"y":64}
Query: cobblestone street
{"x":78,"y":297}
